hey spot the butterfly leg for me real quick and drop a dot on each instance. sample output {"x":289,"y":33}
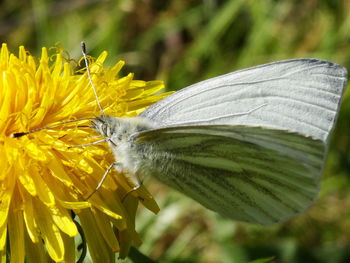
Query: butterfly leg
{"x":88,"y":144}
{"x":130,"y":191}
{"x":115,"y":164}
{"x":138,"y":184}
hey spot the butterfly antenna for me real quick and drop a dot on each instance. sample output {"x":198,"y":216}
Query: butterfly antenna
{"x":83,"y":49}
{"x":20,"y":134}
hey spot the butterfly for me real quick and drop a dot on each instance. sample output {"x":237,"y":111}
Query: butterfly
{"x":249,"y":145}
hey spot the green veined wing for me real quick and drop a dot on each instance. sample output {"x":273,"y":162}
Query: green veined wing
{"x":250,"y":174}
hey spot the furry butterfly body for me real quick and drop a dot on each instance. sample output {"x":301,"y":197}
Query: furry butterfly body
{"x":249,"y":145}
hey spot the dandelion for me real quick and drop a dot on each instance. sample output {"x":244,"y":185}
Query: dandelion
{"x":44,"y":181}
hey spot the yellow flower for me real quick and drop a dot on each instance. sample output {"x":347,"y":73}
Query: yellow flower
{"x":45,"y":182}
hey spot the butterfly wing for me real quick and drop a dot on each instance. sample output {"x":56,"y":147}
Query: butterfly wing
{"x":301,"y":95}
{"x":250,"y":144}
{"x":245,"y":173}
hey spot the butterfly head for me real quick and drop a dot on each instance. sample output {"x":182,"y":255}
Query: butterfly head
{"x":118,"y":129}
{"x":105,"y":125}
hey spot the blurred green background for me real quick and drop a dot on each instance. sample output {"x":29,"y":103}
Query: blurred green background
{"x":185,"y":41}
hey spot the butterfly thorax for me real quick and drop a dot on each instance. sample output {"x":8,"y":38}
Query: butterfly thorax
{"x":119,"y":134}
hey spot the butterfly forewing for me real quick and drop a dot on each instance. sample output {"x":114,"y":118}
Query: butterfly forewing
{"x":245,"y":173}
{"x":300,"y":95}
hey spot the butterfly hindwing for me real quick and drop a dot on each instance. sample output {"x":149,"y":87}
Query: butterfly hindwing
{"x":245,"y":173}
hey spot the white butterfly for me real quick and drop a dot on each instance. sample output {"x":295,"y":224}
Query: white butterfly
{"x":249,"y":145}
